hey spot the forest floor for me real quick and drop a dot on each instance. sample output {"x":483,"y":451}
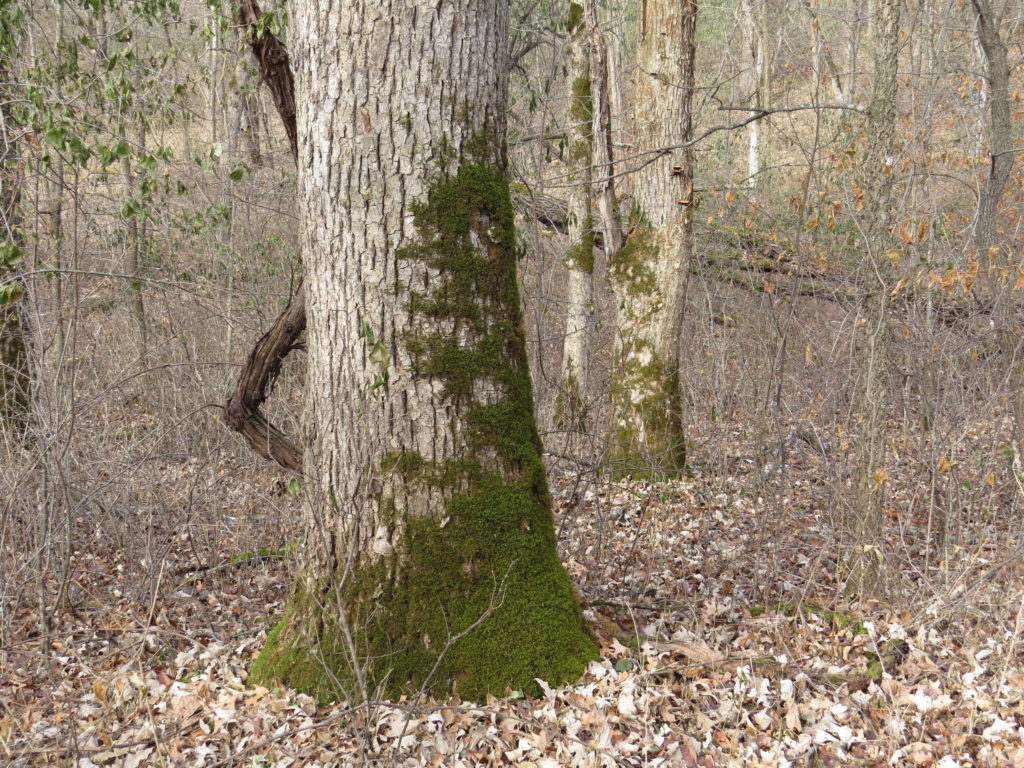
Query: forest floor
{"x":725,"y":642}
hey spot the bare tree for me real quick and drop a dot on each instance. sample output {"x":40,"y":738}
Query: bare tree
{"x":430,"y":557}
{"x":571,"y":413}
{"x":648,"y":274}
{"x":878,"y":173}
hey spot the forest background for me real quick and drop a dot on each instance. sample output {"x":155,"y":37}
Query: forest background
{"x":833,"y":576}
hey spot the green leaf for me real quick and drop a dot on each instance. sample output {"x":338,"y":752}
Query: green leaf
{"x":9,"y":294}
{"x":216,"y":150}
{"x":55,"y":136}
{"x":237,"y":173}
{"x":121,"y":149}
{"x":293,"y":486}
{"x":624,"y":665}
{"x":10,"y":255}
{"x":147,"y":162}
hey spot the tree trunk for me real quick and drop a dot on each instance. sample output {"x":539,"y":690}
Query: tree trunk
{"x":135,"y":234}
{"x":755,"y":40}
{"x":603,"y":189}
{"x":14,"y":370}
{"x":648,"y":274}
{"x":867,"y":555}
{"x":430,"y":559}
{"x":570,"y":409}
{"x":1001,"y":151}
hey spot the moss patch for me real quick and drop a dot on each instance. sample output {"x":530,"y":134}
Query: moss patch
{"x":649,"y":436}
{"x":473,"y":600}
{"x":633,"y":268}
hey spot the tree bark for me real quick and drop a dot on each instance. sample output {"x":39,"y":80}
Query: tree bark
{"x":610,"y":236}
{"x":758,"y":92}
{"x":252,"y":387}
{"x":867,"y":549}
{"x":648,"y":275}
{"x":430,"y":559}
{"x":570,"y":406}
{"x":989,"y":254}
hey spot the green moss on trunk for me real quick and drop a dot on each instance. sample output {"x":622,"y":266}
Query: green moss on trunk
{"x":649,"y":435}
{"x":474,"y":600}
{"x":649,"y":439}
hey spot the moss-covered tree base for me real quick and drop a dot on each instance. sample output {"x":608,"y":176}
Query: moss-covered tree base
{"x":476,"y":605}
{"x":649,"y":438}
{"x":473,"y":598}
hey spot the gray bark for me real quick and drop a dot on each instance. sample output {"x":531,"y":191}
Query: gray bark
{"x":867,"y":549}
{"x":571,"y":411}
{"x":430,"y":558}
{"x":648,"y":274}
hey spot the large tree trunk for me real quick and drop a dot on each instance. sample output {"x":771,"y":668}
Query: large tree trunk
{"x":430,"y":559}
{"x":648,"y":274}
{"x":867,"y":554}
{"x":570,"y":409}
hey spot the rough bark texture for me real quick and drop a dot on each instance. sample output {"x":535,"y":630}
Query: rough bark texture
{"x":272,"y":59}
{"x":430,"y":559}
{"x":256,"y":377}
{"x":997,"y":70}
{"x":648,"y":274}
{"x":1001,"y":163}
{"x":242,"y":411}
{"x":610,"y":235}
{"x":571,"y":411}
{"x":867,"y":554}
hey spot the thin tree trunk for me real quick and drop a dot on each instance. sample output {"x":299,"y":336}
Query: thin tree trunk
{"x":989,"y":254}
{"x":648,"y":275}
{"x":133,"y":249}
{"x":602,"y":156}
{"x":570,"y":408}
{"x":430,"y":559}
{"x":757,"y":69}
{"x":867,"y":551}
{"x":823,"y":56}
